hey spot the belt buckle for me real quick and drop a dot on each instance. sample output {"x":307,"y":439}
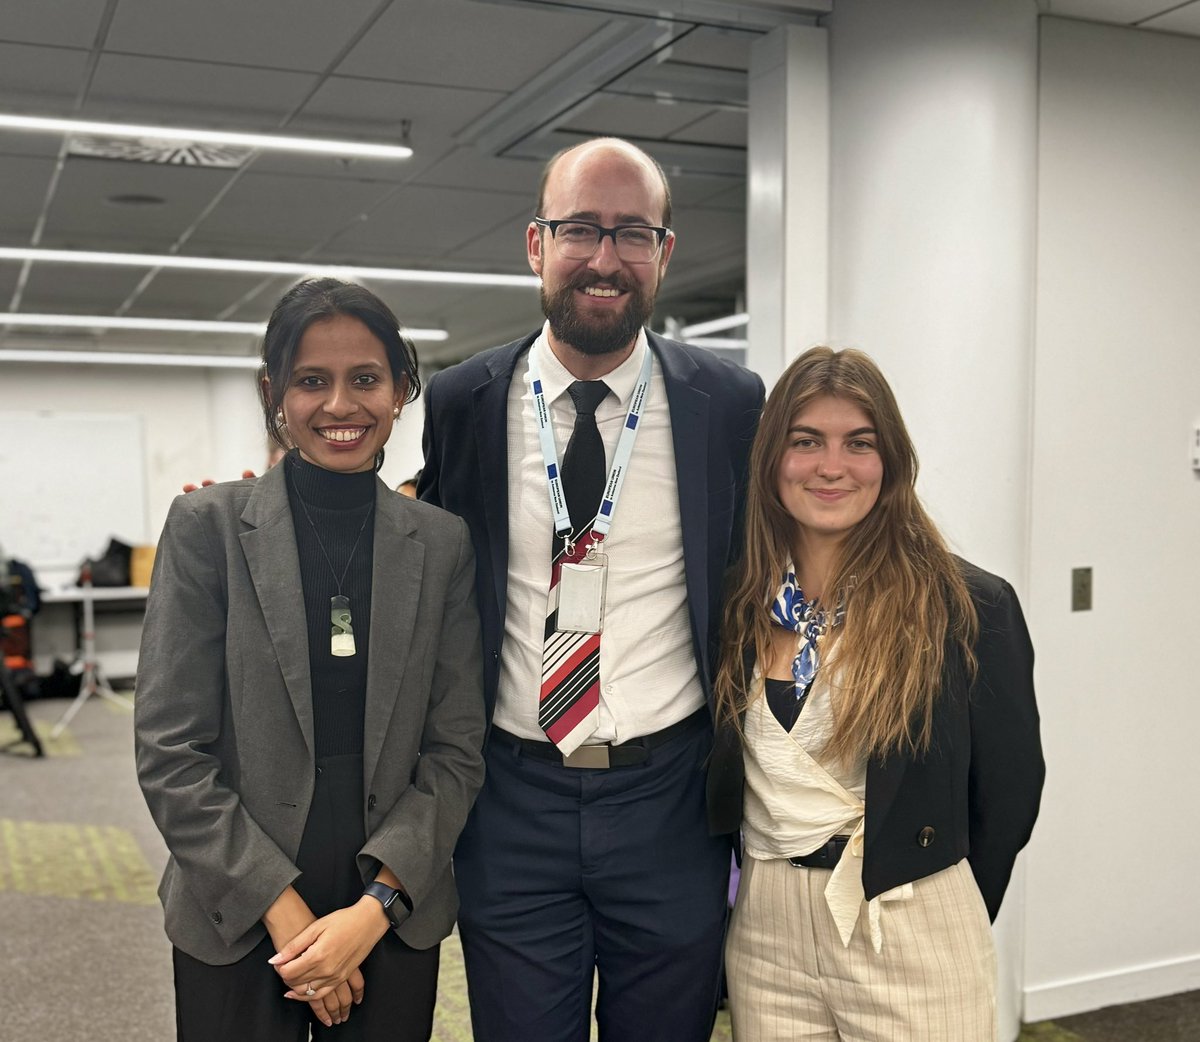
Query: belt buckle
{"x":588,"y":756}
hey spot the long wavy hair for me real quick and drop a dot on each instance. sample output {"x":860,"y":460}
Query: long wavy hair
{"x":906,"y":603}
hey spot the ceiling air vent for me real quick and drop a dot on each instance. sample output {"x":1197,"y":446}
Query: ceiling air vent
{"x":158,"y":150}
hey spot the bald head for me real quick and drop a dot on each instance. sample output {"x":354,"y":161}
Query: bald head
{"x":569,"y":160}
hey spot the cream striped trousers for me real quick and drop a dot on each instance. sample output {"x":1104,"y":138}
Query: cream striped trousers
{"x":790,"y":977}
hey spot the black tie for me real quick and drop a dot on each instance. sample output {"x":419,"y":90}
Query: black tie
{"x":583,"y":469}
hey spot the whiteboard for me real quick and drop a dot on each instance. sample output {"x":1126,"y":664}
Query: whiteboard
{"x":69,"y":482}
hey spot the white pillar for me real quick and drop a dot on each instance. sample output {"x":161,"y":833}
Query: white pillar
{"x":933,"y":211}
{"x":892,"y":208}
{"x":787,"y":239}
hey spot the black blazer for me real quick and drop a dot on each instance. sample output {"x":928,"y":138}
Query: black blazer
{"x":714,"y":408}
{"x":974,"y":794}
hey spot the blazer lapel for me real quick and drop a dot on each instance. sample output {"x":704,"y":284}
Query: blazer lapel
{"x":269,"y":547}
{"x":689,"y":435}
{"x":490,"y":408}
{"x":397,"y":567}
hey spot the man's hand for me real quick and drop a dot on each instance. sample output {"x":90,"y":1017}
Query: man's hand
{"x":189,"y":487}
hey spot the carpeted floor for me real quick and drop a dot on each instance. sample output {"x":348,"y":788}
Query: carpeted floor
{"x":82,"y":953}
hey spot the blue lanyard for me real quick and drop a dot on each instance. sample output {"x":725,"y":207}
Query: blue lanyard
{"x":616,"y":476}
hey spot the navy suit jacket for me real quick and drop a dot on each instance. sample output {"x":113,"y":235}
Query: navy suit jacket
{"x":714,"y":406}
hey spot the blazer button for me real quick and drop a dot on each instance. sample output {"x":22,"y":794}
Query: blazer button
{"x":371,"y":802}
{"x":216,"y":918}
{"x":925,"y":836}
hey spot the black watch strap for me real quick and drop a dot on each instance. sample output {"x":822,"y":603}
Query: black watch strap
{"x":396,"y":903}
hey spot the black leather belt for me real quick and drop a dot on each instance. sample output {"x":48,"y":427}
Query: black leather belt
{"x":627,"y":754}
{"x":823,"y":857}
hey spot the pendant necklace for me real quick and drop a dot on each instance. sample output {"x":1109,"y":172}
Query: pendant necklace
{"x":341,"y":635}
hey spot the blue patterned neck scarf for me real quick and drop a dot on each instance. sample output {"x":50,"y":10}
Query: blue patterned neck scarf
{"x":807,"y":619}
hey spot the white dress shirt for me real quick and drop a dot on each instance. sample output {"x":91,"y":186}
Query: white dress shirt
{"x":648,"y":674}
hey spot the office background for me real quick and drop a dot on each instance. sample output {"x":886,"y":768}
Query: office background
{"x":996,"y":198}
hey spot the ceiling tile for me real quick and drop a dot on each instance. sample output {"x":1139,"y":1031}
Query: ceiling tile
{"x":463,"y":43}
{"x":206,"y":295}
{"x":279,"y":34}
{"x":717,"y":127}
{"x":307,"y":210}
{"x":225,"y":96}
{"x":423,"y":222}
{"x":77,"y":290}
{"x":81,"y":210}
{"x":1118,"y":12}
{"x":641,"y":118}
{"x":70,"y":23}
{"x":723,"y":48}
{"x":1184,"y":19}
{"x":25,"y":181}
{"x":465,"y":167}
{"x":40,"y":81}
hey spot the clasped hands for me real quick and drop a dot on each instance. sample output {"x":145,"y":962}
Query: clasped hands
{"x":319,"y":959}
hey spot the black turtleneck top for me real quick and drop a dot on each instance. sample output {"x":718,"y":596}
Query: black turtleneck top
{"x":329,"y":511}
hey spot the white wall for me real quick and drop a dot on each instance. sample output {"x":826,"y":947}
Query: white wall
{"x":1113,"y":907}
{"x":197,"y":423}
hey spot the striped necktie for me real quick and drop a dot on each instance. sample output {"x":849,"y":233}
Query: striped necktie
{"x":569,"y":705}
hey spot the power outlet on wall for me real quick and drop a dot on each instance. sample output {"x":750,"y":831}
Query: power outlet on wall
{"x":1081,"y":589}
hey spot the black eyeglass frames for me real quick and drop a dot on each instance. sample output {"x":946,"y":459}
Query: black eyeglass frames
{"x":578,"y":240}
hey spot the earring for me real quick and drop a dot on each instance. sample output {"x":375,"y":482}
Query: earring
{"x":396,"y":413}
{"x":279,"y":419}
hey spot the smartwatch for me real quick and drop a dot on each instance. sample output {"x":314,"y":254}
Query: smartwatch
{"x":395,"y":902}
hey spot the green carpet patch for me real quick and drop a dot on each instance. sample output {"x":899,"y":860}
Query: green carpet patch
{"x":84,"y":862}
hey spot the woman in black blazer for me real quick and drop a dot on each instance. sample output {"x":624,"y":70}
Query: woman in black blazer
{"x":309,"y":711}
{"x":878,"y":734}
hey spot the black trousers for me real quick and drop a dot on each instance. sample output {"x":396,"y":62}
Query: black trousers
{"x":244,"y":1000}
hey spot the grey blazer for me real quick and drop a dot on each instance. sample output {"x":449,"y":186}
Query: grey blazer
{"x":223,"y":710}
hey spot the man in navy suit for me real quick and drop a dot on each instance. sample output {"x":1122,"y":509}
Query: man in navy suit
{"x":589,"y":852}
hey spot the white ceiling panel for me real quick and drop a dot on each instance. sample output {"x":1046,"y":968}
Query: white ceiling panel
{"x":70,"y":23}
{"x":1184,"y":19}
{"x":77,"y":290}
{"x":723,"y":48}
{"x":1118,"y":12}
{"x":461,"y":43}
{"x":183,"y":294}
{"x":467,"y":168}
{"x":302,"y":210}
{"x":81,"y":209}
{"x":635,"y":117}
{"x":125,"y":87}
{"x":425,"y":221}
{"x":304,"y":35}
{"x":40,"y":81}
{"x":716,"y":127}
{"x":24,"y":182}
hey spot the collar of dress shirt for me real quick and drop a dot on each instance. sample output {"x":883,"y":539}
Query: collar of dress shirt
{"x":556,"y":378}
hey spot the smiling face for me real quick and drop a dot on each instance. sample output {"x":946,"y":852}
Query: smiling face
{"x":831,"y":472}
{"x":341,"y":399}
{"x":596,"y":306}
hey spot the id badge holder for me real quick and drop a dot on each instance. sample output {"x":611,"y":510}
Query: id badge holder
{"x":581,"y":594}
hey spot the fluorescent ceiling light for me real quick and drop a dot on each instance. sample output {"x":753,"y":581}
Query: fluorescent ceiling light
{"x":279,"y":142}
{"x":255,"y":267}
{"x":166,"y":325}
{"x":715,"y":325}
{"x":718,"y":341}
{"x":130,"y":358}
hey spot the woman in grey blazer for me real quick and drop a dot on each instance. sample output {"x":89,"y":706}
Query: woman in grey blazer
{"x":878,"y":740}
{"x":309,"y":710}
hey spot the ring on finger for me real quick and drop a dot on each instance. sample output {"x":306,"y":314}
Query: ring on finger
{"x":311,"y":990}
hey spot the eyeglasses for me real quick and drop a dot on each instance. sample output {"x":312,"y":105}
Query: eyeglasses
{"x":578,"y":240}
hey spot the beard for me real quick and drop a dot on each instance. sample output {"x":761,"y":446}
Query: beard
{"x":597,"y":334}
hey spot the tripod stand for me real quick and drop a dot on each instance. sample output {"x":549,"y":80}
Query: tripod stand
{"x":92,"y":682}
